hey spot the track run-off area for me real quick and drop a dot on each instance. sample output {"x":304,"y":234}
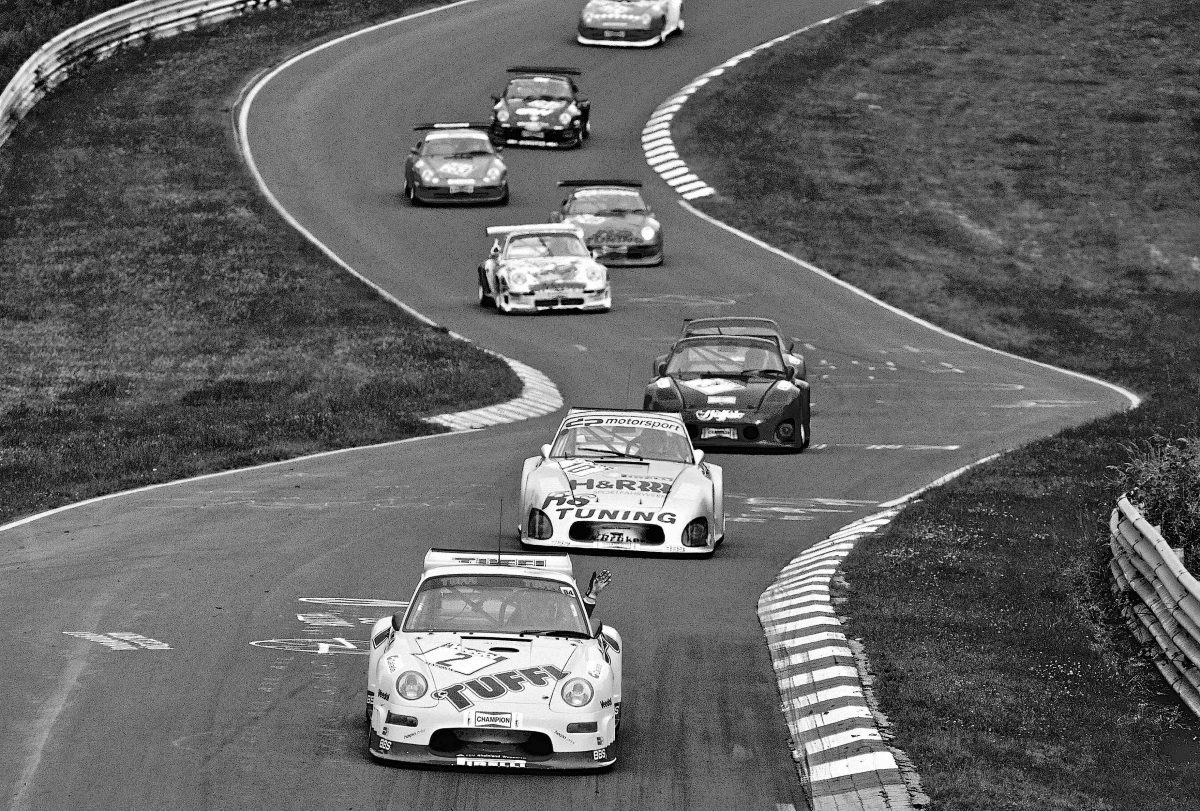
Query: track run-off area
{"x":200,"y":645}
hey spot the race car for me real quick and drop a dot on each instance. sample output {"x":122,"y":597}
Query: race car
{"x":744,"y":325}
{"x":541,"y":107}
{"x":542,"y":267}
{"x":625,"y":480}
{"x":629,"y":23}
{"x":455,"y":163}
{"x":733,"y":391}
{"x":618,"y":226}
{"x":496,"y":664}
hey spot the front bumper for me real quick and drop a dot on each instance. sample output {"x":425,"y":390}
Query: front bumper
{"x":618,"y":37}
{"x":752,"y":431}
{"x":545,"y":300}
{"x":558,"y":135}
{"x":622,"y":533}
{"x":629,"y":255}
{"x":479,"y":193}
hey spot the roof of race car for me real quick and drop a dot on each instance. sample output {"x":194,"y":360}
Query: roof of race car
{"x":463,"y":133}
{"x":619,"y":416}
{"x":477,"y":562}
{"x":456,"y":125}
{"x":536,"y":228}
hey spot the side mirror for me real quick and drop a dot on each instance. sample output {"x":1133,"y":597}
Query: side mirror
{"x":596,"y":254}
{"x":495,"y":251}
{"x":791,"y":373}
{"x":792,"y":345}
{"x":546,"y":451}
{"x":496,"y":98}
{"x":661,"y":368}
{"x":412,"y":151}
{"x":395,"y":622}
{"x":697,"y":456}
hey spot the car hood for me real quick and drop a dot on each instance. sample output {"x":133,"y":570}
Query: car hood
{"x":474,"y":167}
{"x":580,"y":482}
{"x":727,"y":394}
{"x":467,"y":669}
{"x":545,"y":111}
{"x":619,"y":14}
{"x":610,"y":229}
{"x":550,"y":271}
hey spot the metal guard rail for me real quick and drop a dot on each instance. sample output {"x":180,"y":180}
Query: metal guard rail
{"x":1162,"y":605}
{"x":99,"y":37}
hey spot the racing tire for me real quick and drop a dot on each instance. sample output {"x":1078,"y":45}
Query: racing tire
{"x":501,"y":305}
{"x":485,"y":300}
{"x":411,"y":193}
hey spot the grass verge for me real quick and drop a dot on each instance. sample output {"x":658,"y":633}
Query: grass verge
{"x":159,"y":320}
{"x":1023,"y":174}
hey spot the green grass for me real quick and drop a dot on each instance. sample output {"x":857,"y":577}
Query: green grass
{"x":1024,"y":174}
{"x":159,"y":320}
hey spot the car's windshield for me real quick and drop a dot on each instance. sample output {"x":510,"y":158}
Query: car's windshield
{"x":724,"y":356}
{"x":606,"y":202}
{"x":639,"y":442}
{"x":456,"y":147}
{"x":532,"y":87}
{"x":496,"y":603}
{"x":536,"y":246}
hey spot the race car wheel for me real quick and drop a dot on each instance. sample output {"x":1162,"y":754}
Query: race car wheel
{"x":805,"y":436}
{"x":485,"y":300}
{"x":411,"y":193}
{"x":502,"y":301}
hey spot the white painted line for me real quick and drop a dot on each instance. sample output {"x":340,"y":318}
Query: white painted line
{"x":836,"y":739}
{"x":846,"y":693}
{"x":819,"y":675}
{"x":834,"y":716}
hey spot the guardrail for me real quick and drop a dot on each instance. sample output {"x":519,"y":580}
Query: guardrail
{"x":101,"y":36}
{"x":1163,"y":599}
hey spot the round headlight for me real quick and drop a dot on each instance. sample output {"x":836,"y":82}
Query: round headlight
{"x":577,"y":692}
{"x":595,"y":274}
{"x":564,"y":118}
{"x":411,"y":685}
{"x":696,"y":533}
{"x":502,"y":116}
{"x":643,"y":20}
{"x":519,"y":278}
{"x":494,"y":172}
{"x":648,"y":232}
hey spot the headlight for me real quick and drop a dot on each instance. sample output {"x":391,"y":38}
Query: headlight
{"x":411,"y":685}
{"x":426,"y":172}
{"x":564,"y":118}
{"x":644,"y":20}
{"x":666,"y":396}
{"x":595,"y":274}
{"x":494,"y":172}
{"x":577,"y":692}
{"x":519,"y":278}
{"x":540,"y":527}
{"x":502,"y":116}
{"x":648,"y":232}
{"x":696,"y":532}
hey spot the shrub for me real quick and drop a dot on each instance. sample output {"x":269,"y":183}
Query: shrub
{"x":1162,"y":477}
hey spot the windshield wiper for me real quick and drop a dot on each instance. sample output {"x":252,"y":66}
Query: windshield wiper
{"x":609,"y":452}
{"x":558,"y":632}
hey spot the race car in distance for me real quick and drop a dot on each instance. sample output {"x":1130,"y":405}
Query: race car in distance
{"x":622,"y":479}
{"x":629,"y":23}
{"x":542,"y":267}
{"x":733,"y":391}
{"x":744,"y":325}
{"x":455,"y":163}
{"x":618,"y":226}
{"x":541,"y":107}
{"x":496,"y":663}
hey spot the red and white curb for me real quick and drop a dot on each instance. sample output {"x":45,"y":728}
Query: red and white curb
{"x":656,"y":135}
{"x":842,"y":757}
{"x":539,"y":396}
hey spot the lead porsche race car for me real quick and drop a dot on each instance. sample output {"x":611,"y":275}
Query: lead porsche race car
{"x":621,"y":479}
{"x":541,"y":106}
{"x":744,"y":325}
{"x":496,"y":663}
{"x":629,"y":23}
{"x":533,"y":268}
{"x":618,"y":227}
{"x":455,"y":163}
{"x":733,"y":391}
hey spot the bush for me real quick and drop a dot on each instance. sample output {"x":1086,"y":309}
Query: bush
{"x":1162,"y":477}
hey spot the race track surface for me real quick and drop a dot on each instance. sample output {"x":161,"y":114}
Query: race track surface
{"x":253,"y":695}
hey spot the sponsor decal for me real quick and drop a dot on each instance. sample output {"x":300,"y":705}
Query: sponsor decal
{"x":491,"y":560}
{"x":606,"y":702}
{"x":568,"y":500}
{"x":504,"y":762}
{"x":625,"y":485}
{"x":502,"y":720}
{"x":713,"y":385}
{"x":384,"y":745}
{"x":600,"y":754}
{"x":457,"y":169}
{"x":385,"y":695}
{"x":719,"y":414}
{"x":640,"y":516}
{"x":582,"y":467}
{"x":460,"y":659}
{"x":497,"y":685}
{"x":722,"y":399}
{"x":636,"y":422}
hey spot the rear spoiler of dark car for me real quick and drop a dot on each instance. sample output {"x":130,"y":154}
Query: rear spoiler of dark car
{"x":601,"y":182}
{"x":543,"y":69}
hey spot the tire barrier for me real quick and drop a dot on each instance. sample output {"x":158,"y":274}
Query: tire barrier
{"x":82,"y":45}
{"x":1159,"y":598}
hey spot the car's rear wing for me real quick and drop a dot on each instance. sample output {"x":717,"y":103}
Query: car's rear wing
{"x":438,"y":558}
{"x":543,"y":69}
{"x":540,"y":228}
{"x":637,"y":184}
{"x":455,"y":125}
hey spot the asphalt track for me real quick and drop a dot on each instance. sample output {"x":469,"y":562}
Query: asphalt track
{"x":270,"y":555}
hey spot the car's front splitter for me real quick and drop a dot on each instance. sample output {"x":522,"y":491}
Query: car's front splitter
{"x":618,"y":37}
{"x":485,"y":757}
{"x":552,"y":138}
{"x":434,"y":195}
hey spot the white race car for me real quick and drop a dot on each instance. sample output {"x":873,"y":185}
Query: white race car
{"x":628,"y":480}
{"x":532,"y":268}
{"x":629,"y":23}
{"x":495,"y":663}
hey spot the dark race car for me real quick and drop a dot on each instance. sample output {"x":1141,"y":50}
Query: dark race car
{"x":455,"y":163}
{"x":744,"y":325}
{"x":540,"y":107}
{"x":618,"y":226}
{"x":733,"y":391}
